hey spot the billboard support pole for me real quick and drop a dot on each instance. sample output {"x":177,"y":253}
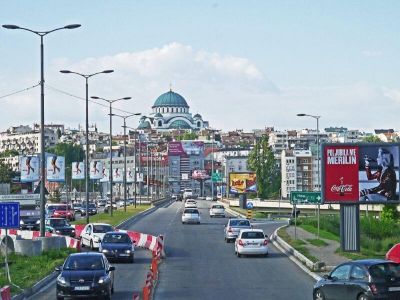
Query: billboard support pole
{"x":350,"y":227}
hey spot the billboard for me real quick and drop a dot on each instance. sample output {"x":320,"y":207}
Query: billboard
{"x":242,"y":182}
{"x":118,"y":175}
{"x":78,"y":170}
{"x":186,"y":148}
{"x":200,"y":174}
{"x":55,"y":168}
{"x":96,"y":168}
{"x":105,"y":177}
{"x":360,"y":173}
{"x":130,"y":176}
{"x":29,"y":166}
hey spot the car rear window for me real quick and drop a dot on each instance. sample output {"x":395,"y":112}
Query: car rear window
{"x":252,"y":235}
{"x":102,"y":228}
{"x":385,"y":271}
{"x":191,"y":211}
{"x":240,"y":223}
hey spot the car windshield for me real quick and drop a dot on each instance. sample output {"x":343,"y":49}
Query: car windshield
{"x":191,"y":211}
{"x":117,"y":238}
{"x":252,"y":235}
{"x":58,"y":222}
{"x":218,"y":206}
{"x":102,"y":228}
{"x":385,"y":271}
{"x":60,"y":207}
{"x":84,"y":262}
{"x":240,"y":223}
{"x":92,"y":206}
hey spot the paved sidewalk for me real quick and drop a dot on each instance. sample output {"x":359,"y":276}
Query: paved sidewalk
{"x":325,"y":254}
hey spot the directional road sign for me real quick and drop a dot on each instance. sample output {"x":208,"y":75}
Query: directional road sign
{"x":305,"y":198}
{"x":216,"y":177}
{"x":249,"y":205}
{"x":9,"y":215}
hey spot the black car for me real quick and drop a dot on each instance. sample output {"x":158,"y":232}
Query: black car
{"x":117,"y":245}
{"x":59,"y":226}
{"x":92,"y":209}
{"x":360,"y":280}
{"x":85,"y":275}
{"x":29,"y":220}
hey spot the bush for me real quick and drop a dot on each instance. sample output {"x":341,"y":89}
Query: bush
{"x":390,"y":213}
{"x":379,"y":228}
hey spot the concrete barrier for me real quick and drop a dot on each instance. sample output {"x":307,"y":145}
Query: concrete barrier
{"x":9,"y":244}
{"x":28,"y":247}
{"x":52,"y":242}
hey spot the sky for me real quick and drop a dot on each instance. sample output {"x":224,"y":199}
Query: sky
{"x":240,"y":64}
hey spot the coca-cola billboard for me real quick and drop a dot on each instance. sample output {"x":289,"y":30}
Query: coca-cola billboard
{"x":364,"y":173}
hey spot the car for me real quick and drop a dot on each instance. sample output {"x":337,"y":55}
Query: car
{"x":84,"y":275}
{"x":360,"y":279}
{"x":117,"y":245}
{"x":208,"y":198}
{"x":61,"y":211}
{"x":191,"y":215}
{"x":176,"y":197}
{"x":219,"y":195}
{"x":101,"y":203}
{"x":233,"y":227}
{"x":77,"y":208}
{"x":92,"y":209}
{"x":29,"y":220}
{"x":251,"y":242}
{"x":217,"y":210}
{"x":190,"y":203}
{"x":93,"y":233}
{"x":59,"y":226}
{"x":108,"y":205}
{"x":187,"y":193}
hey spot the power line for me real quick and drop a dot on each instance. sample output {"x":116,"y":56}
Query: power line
{"x":81,"y":98}
{"x":20,"y":91}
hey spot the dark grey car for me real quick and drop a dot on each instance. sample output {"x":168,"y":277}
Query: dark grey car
{"x":233,"y":227}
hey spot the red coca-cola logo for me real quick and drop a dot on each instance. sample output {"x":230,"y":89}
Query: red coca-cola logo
{"x":344,"y":187}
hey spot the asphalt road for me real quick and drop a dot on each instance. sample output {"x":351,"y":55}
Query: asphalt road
{"x":201,"y":265}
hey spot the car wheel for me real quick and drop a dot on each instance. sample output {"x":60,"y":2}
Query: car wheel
{"x":107,"y":297}
{"x":238,"y":254}
{"x":60,"y":298}
{"x":362,"y":297}
{"x":112,"y":289}
{"x":266,"y":254}
{"x":319,"y":295}
{"x":91,"y":245}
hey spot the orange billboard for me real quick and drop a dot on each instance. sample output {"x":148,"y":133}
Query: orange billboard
{"x":242,"y":182}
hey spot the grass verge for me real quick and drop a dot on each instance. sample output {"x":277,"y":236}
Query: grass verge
{"x":25,"y":271}
{"x":298,"y":244}
{"x":118,"y":217}
{"x":317,"y":242}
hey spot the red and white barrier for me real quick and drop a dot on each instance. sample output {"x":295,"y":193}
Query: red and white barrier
{"x":5,"y":293}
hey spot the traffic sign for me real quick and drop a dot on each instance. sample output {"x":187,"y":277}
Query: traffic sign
{"x":216,"y":177}
{"x":305,"y":197}
{"x":249,"y":214}
{"x":9,"y":215}
{"x":249,"y":205}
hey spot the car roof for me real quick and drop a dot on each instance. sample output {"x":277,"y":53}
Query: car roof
{"x":117,"y":232}
{"x":55,"y":219}
{"x":370,"y":262}
{"x":238,"y":219}
{"x":99,"y":224}
{"x":251,"y":230}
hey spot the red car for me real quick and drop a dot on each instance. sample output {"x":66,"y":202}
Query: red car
{"x":61,"y":211}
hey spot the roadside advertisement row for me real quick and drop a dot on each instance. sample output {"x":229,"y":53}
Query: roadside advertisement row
{"x":360,"y":173}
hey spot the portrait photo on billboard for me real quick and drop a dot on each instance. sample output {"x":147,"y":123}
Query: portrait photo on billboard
{"x":379,"y":173}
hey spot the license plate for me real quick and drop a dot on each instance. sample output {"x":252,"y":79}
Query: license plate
{"x":394,"y":288}
{"x":82,"y":288}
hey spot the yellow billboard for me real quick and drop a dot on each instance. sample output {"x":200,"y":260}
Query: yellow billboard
{"x":242,"y":182}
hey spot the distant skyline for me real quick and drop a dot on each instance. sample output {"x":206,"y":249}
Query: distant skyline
{"x":240,"y":64}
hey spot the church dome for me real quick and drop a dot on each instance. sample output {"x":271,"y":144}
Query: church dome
{"x":170,"y":99}
{"x":197,"y":116}
{"x":144,"y":125}
{"x":158,"y":115}
{"x":179,"y":124}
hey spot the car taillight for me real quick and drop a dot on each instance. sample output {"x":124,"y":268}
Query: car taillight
{"x":265,"y":242}
{"x":373,"y":288}
{"x":241,"y":243}
{"x":229,"y":229}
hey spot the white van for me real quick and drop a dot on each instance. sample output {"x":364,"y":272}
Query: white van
{"x":187,"y":193}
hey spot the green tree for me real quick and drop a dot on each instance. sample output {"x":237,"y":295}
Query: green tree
{"x":261,"y":160}
{"x":6,"y":174}
{"x":8,"y":153}
{"x":58,"y":133}
{"x":187,"y":136}
{"x":389,"y":213}
{"x":372,"y":139}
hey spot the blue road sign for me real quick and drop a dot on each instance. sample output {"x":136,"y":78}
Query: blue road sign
{"x":249,"y":205}
{"x":9,"y":215}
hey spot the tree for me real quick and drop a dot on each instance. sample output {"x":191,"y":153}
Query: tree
{"x":8,"y":153}
{"x":372,"y":139}
{"x":6,"y":174}
{"x":187,"y":136}
{"x":58,"y":133}
{"x":261,"y":160}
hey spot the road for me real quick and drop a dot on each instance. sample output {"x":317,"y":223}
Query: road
{"x":200,"y":265}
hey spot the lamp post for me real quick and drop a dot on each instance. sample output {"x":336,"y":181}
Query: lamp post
{"x":124,"y":126}
{"x":42,"y":142}
{"x":135,"y":163}
{"x":111,"y":101}
{"x":318,"y":160}
{"x":87,"y":76}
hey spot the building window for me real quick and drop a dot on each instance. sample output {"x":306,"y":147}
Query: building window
{"x":198,"y":124}
{"x":159,"y":123}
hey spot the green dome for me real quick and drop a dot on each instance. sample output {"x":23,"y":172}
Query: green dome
{"x":179,"y":124}
{"x":170,"y":99}
{"x":144,"y":125}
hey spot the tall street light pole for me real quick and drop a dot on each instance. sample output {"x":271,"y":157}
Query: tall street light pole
{"x":135,"y":163}
{"x":87,"y":76}
{"x":42,"y":142}
{"x":318,"y":160}
{"x":125,"y":169}
{"x":111,"y":101}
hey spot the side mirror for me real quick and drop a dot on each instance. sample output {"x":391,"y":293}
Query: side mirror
{"x":111,"y":268}
{"x":266,"y":236}
{"x":57,"y":269}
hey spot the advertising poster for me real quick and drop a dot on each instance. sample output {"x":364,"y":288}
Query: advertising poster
{"x":118,"y":175}
{"x":55,"y":168}
{"x":78,"y":170}
{"x":29,"y":166}
{"x":105,"y":175}
{"x":242,"y":182}
{"x":185,"y":148}
{"x":364,"y":173}
{"x":130,"y":176}
{"x":96,"y":170}
{"x":200,"y":174}
{"x":139,"y":177}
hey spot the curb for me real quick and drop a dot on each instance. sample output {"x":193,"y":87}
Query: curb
{"x":295,"y":256}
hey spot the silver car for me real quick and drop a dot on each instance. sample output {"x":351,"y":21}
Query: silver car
{"x":191,"y":215}
{"x":217,"y":210}
{"x":233,"y":227}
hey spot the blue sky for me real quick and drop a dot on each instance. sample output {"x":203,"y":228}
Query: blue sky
{"x":240,"y":64}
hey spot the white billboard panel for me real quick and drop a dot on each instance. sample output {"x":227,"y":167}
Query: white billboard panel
{"x":78,"y":170}
{"x":55,"y":168}
{"x":96,"y":168}
{"x":29,"y":166}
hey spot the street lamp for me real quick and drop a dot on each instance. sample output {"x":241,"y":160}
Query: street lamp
{"x":111,"y":101}
{"x":87,"y":76}
{"x":318,"y":159}
{"x":42,"y":143}
{"x":124,"y":126}
{"x":135,"y":164}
